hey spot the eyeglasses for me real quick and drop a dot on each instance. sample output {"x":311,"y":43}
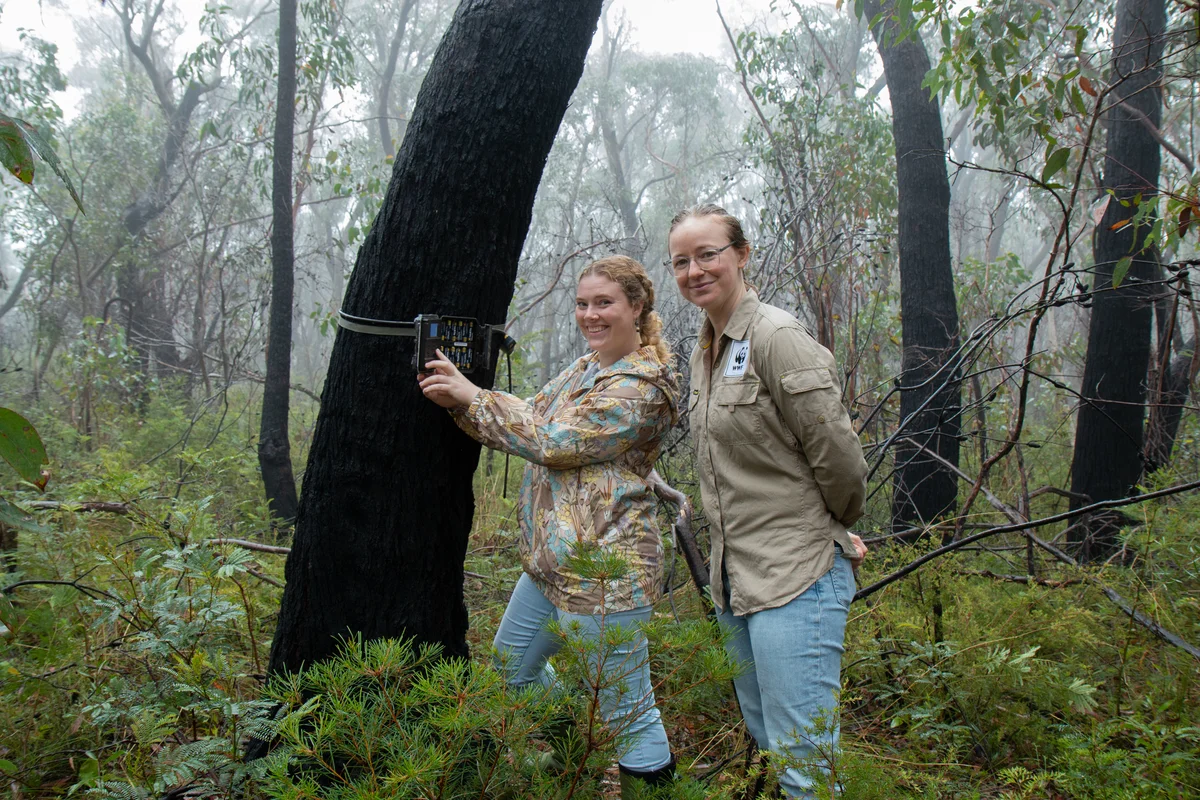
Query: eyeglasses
{"x":704,"y":259}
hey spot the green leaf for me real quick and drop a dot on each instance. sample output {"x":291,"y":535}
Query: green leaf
{"x":16,"y":517}
{"x":1121,"y":270}
{"x":331,"y":156}
{"x":1056,"y":161}
{"x":21,"y":446}
{"x":8,"y":766}
{"x":17,"y":138}
{"x":998,"y":59}
{"x":89,"y":772}
{"x":14,"y":150}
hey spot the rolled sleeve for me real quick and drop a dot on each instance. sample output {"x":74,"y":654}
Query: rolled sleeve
{"x":802,"y":380}
{"x":612,"y":418}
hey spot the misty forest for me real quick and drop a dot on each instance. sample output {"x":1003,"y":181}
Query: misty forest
{"x":242,"y":556}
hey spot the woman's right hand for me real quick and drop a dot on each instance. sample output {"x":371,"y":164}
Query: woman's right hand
{"x":860,"y":550}
{"x":445,"y":385}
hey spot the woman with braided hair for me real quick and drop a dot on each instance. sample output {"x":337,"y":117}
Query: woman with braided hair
{"x":590,"y":438}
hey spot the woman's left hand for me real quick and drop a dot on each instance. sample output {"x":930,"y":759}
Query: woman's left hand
{"x":445,"y":385}
{"x":860,"y":550}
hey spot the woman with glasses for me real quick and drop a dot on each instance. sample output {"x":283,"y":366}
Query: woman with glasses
{"x":782,"y":476}
{"x":591,"y":438}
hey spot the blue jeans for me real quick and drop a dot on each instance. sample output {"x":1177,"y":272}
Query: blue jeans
{"x":794,"y":657}
{"x":524,"y":645}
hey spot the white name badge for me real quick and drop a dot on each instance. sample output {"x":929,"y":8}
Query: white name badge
{"x":739,"y":359}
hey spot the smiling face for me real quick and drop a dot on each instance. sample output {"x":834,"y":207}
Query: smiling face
{"x":715,"y":287}
{"x":606,"y":318}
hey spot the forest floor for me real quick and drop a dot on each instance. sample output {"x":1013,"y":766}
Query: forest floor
{"x":134,"y":649}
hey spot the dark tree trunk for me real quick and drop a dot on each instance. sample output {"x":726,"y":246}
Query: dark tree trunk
{"x":1108,"y":437}
{"x":387,"y":503}
{"x":1170,"y":399}
{"x":1170,"y":378}
{"x":274,"y":447}
{"x":930,"y":391}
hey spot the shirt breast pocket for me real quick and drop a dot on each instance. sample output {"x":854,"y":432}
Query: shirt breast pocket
{"x":735,"y":419}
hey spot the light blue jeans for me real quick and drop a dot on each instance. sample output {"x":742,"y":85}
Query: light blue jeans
{"x":794,"y":657}
{"x":524,"y":646}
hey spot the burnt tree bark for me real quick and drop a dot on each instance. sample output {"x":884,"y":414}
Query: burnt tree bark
{"x":274,"y":447}
{"x":930,"y":390}
{"x":387,"y":502}
{"x":1108,"y":458}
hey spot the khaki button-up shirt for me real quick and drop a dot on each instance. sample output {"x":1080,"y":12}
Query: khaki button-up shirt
{"x":781,"y":469}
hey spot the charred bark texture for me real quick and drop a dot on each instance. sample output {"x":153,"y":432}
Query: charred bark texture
{"x":274,"y":447}
{"x":1108,"y":458}
{"x":930,"y":390}
{"x":387,"y":502}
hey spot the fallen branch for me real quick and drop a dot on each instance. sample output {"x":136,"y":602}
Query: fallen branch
{"x":1123,"y":604}
{"x":1060,"y":492}
{"x":1021,"y":527}
{"x":264,"y":577}
{"x":1025,"y":527}
{"x":88,"y":590}
{"x":88,"y":507}
{"x":246,"y":544}
{"x":1026,"y":579}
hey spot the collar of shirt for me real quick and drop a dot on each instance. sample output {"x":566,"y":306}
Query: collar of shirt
{"x":739,"y":321}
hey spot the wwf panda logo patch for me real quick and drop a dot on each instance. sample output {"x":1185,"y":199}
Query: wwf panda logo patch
{"x":739,"y":359}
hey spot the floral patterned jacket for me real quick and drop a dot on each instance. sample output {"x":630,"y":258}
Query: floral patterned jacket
{"x":591,"y":441}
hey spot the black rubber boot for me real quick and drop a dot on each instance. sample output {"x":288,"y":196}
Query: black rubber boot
{"x":645,"y":785}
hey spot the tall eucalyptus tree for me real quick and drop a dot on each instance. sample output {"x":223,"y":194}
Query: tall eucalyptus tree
{"x":387,"y":504}
{"x":274,"y":447}
{"x":930,"y":394}
{"x":1108,"y":455}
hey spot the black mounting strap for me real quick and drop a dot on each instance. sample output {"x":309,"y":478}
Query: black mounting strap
{"x":378,"y":327}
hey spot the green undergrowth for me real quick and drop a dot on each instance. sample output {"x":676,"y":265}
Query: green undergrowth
{"x":134,"y":658}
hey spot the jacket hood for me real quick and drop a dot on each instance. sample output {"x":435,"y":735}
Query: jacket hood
{"x":643,"y":363}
